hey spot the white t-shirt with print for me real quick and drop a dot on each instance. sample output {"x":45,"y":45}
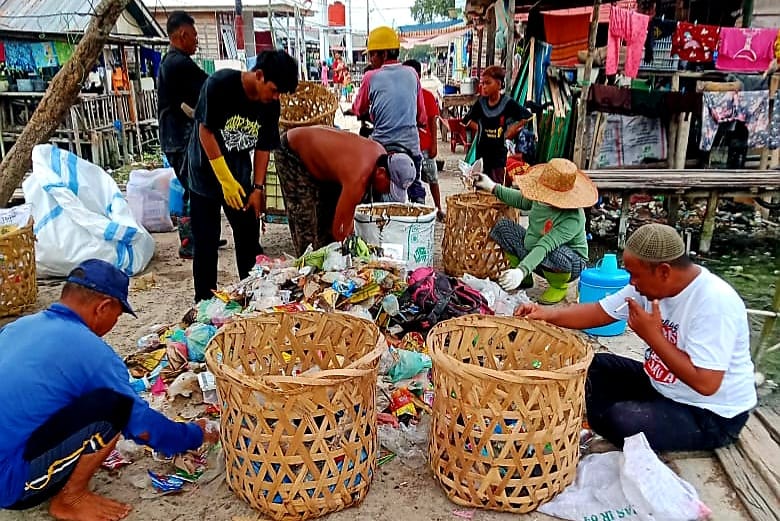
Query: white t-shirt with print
{"x":708,"y":321}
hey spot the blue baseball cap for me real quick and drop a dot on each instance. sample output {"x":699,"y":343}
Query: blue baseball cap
{"x":102,"y":277}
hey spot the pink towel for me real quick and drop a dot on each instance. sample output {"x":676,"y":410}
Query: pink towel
{"x":745,"y":50}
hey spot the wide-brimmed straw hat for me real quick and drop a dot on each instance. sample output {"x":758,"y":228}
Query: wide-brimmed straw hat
{"x":558,"y":183}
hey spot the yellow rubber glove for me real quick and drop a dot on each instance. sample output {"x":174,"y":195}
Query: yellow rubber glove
{"x":231,"y":188}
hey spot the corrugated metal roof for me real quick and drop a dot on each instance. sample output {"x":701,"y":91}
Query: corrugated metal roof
{"x":259,"y":6}
{"x":69,"y":16}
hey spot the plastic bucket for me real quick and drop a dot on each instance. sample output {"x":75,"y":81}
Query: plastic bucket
{"x":403,"y":230}
{"x":176,"y":197}
{"x":596,"y":283}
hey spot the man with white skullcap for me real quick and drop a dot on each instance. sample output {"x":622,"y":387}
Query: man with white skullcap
{"x":695,"y":388}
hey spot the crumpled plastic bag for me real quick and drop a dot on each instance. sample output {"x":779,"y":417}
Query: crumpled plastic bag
{"x":632,"y":484}
{"x":198,"y":336}
{"x":408,"y":364}
{"x":409,"y":443}
{"x":216,"y":311}
{"x":501,"y":302}
{"x":469,"y":173}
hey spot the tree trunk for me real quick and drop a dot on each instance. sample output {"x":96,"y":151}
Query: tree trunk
{"x":59,"y":97}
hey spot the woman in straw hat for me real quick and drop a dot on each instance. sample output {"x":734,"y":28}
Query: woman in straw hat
{"x":554,"y":245}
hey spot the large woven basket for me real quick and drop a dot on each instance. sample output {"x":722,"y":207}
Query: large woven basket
{"x":18,"y":284}
{"x":298,"y":447}
{"x":467,"y":246}
{"x":311,"y":104}
{"x":508,"y":410}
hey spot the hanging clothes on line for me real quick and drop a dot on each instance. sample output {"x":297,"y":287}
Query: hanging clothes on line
{"x":658,"y":30}
{"x":751,"y":108}
{"x":629,"y":27}
{"x":695,"y":43}
{"x":610,"y":99}
{"x":745,"y":50}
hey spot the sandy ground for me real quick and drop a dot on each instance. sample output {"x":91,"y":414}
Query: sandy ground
{"x":164,"y":293}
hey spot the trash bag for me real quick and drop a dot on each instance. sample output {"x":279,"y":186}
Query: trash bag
{"x":80,"y":214}
{"x":632,"y":484}
{"x":198,"y":336}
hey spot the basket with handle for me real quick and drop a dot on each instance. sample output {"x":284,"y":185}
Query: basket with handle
{"x":311,"y":104}
{"x":508,"y":410}
{"x":467,"y":246}
{"x":18,"y":283}
{"x":298,"y":419}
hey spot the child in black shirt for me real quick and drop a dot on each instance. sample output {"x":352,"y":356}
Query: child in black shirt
{"x":495,"y":118}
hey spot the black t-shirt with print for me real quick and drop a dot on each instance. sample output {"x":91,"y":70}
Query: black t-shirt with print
{"x":240,"y":126}
{"x":493,"y":122}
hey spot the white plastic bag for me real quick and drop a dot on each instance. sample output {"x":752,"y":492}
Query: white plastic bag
{"x":633,"y":485}
{"x":80,"y":214}
{"x":501,"y":302}
{"x":148,"y":193}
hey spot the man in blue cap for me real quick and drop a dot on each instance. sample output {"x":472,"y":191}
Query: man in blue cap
{"x":66,"y":398}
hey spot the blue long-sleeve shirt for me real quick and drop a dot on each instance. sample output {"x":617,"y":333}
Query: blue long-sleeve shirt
{"x":49,"y":359}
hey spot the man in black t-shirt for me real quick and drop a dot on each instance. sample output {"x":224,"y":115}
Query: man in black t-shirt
{"x":179,"y":82}
{"x":237,"y":116}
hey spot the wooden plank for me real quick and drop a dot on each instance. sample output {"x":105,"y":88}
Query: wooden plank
{"x":708,"y":226}
{"x":759,"y":501}
{"x":758,"y":447}
{"x":771,"y":420}
{"x":681,"y":145}
{"x":625,"y":209}
{"x":582,"y":110}
{"x":773,"y":86}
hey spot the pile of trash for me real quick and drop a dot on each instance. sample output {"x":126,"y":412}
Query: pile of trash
{"x":348,"y":277}
{"x":731,"y":216}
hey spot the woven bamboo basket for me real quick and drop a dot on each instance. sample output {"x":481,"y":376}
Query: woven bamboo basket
{"x":18,"y":284}
{"x":298,"y":447}
{"x":508,"y":410}
{"x":467,"y":246}
{"x":311,"y":104}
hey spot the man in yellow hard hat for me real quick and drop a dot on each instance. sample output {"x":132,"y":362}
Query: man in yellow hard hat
{"x":391,"y":95}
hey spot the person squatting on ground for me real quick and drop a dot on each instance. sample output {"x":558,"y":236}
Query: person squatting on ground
{"x":179,"y":82}
{"x":429,"y":144}
{"x":695,"y":388}
{"x":66,"y":399}
{"x":495,"y":119}
{"x":555,"y":244}
{"x":391,"y":94}
{"x":237,"y":113}
{"x":322,"y":189}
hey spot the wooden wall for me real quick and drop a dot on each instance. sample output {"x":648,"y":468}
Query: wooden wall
{"x":208,"y":33}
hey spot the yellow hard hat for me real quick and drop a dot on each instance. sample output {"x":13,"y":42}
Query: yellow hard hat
{"x":383,"y":39}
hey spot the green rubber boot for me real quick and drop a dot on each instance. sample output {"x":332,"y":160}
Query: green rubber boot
{"x":514,"y":261}
{"x":558,"y":287}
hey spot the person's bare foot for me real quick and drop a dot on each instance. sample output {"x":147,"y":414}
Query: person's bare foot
{"x":87,"y":507}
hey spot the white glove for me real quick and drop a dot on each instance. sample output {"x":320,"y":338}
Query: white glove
{"x":483,"y":182}
{"x":511,"y":279}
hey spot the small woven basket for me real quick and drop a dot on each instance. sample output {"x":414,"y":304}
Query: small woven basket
{"x":508,"y":410}
{"x":18,"y":284}
{"x":298,"y":447}
{"x":311,"y":104}
{"x":467,"y":246}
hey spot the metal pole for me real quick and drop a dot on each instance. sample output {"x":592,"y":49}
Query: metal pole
{"x":239,"y":26}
